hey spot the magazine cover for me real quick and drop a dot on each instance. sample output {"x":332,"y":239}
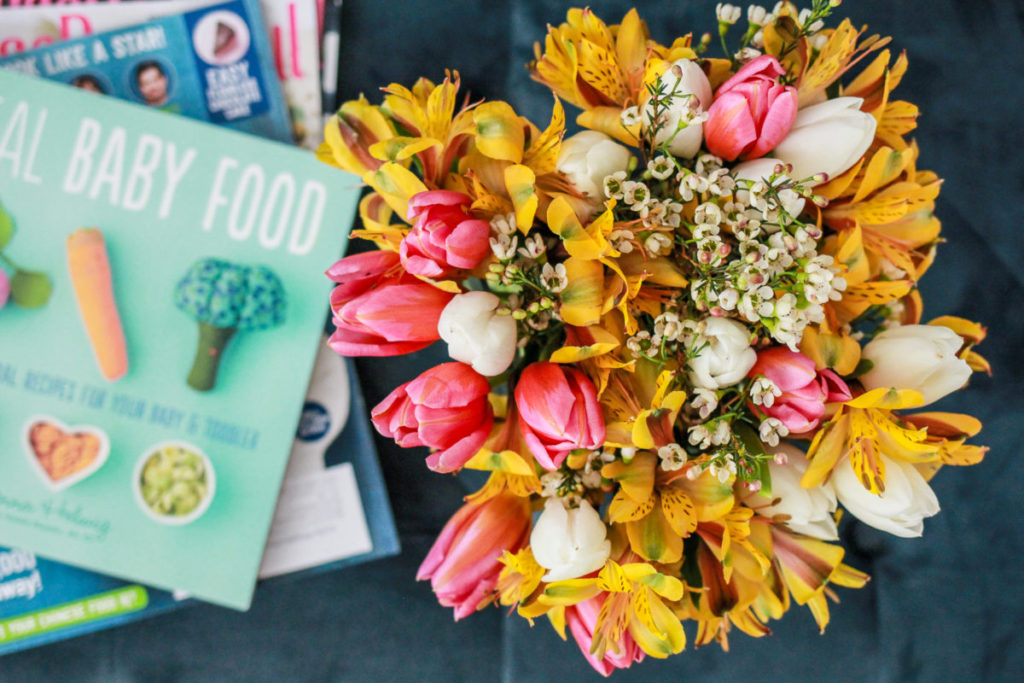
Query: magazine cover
{"x":165,"y":309}
{"x":292,"y":31}
{"x":212,"y":64}
{"x":43,"y":601}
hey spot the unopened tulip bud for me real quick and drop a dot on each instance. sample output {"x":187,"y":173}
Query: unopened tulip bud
{"x":726,"y":356}
{"x":827,"y":139}
{"x":918,"y":357}
{"x":807,"y":511}
{"x":476,"y":334}
{"x":569,"y":543}
{"x":899,"y":510}
{"x":587,"y":158}
{"x":558,"y":412}
{"x":686,"y":90}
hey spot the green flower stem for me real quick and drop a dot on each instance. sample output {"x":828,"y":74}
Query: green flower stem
{"x":212,"y":341}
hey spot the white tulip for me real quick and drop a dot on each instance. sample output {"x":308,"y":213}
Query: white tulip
{"x":827,"y":138}
{"x":918,"y":357}
{"x":691,"y":84}
{"x":476,"y":334}
{"x":899,"y":510}
{"x":762,"y":169}
{"x":810,"y":510}
{"x":569,"y":543}
{"x":587,"y":158}
{"x":726,"y":357}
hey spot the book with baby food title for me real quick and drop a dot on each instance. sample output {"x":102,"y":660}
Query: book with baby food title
{"x":292,"y":30}
{"x":213,"y":63}
{"x":333,"y":512}
{"x":166,"y":297}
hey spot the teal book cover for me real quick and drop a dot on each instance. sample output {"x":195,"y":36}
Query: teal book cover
{"x":165,"y":308}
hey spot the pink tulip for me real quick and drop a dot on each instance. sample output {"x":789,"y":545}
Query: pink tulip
{"x":581,"y":619}
{"x":463,"y":564}
{"x":752,"y":112}
{"x":444,"y":237}
{"x":359,"y":273}
{"x":390,"y":320}
{"x":558,"y":412}
{"x":805,"y":390}
{"x":445,"y":408}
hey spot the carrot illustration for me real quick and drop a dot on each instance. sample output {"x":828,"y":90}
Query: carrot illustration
{"x":90,"y":277}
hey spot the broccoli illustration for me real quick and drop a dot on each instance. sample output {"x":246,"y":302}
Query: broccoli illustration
{"x":224,"y":298}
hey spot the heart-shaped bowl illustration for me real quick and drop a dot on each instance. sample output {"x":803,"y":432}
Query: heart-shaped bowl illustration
{"x":61,"y":455}
{"x":174,"y":482}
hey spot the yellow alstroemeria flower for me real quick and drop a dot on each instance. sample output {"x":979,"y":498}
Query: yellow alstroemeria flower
{"x":808,"y":565}
{"x":864,"y":428}
{"x":815,"y":71}
{"x":660,"y":509}
{"x":375,"y":215}
{"x":771,"y":565}
{"x":655,"y":519}
{"x":892,"y":202}
{"x":351,"y":132}
{"x":642,"y":406}
{"x":863,"y":289}
{"x":436,"y":133}
{"x":720,"y":602}
{"x":590,"y":64}
{"x":827,"y":343}
{"x":510,"y":168}
{"x":949,"y":433}
{"x":505,"y":455}
{"x":603,"y":69}
{"x":519,"y":582}
{"x":588,"y":297}
{"x":874,"y":84}
{"x":633,"y":602}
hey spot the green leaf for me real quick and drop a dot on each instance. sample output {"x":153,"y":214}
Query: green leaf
{"x":863,"y":366}
{"x":6,"y":227}
{"x":755,"y":450}
{"x":30,"y":289}
{"x":751,"y":442}
{"x":764,"y":475}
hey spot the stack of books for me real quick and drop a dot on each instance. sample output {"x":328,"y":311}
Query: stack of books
{"x":173,"y":427}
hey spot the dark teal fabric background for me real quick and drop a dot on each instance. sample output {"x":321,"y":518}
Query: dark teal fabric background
{"x":946,"y":607}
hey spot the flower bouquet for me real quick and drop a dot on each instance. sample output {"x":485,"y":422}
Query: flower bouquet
{"x":679,"y":340}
